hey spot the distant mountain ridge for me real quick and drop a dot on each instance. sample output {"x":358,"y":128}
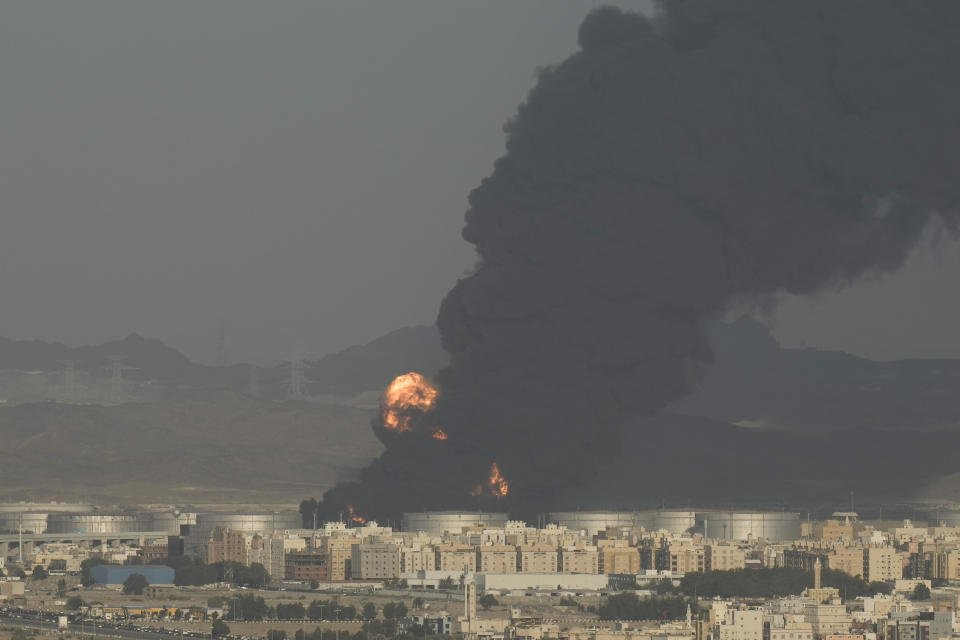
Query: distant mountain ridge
{"x":753,"y":382}
{"x":350,"y":372}
{"x":816,"y":418}
{"x":756,"y":382}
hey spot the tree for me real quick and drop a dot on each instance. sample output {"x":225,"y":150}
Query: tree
{"x":219,"y":629}
{"x":446,"y":583}
{"x":85,"y":578}
{"x":248,"y":607}
{"x":61,"y":588}
{"x":21,"y":634}
{"x":135,"y":584}
{"x":369,"y":611}
{"x":39,"y":573}
{"x":293,"y":611}
{"x":418,"y":602}
{"x":488,"y":601}
{"x":921,"y":592}
{"x":276,"y":634}
{"x":74,"y":603}
{"x":16,"y":572}
{"x":215,"y":602}
{"x":663,"y":586}
{"x":627,"y":606}
{"x":394,"y":610}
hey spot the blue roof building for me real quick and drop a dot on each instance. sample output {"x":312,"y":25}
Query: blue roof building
{"x":115,"y":574}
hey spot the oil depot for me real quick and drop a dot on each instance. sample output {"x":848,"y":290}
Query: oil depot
{"x":715,"y":524}
{"x":99,"y":522}
{"x":440,"y":522}
{"x":33,"y":516}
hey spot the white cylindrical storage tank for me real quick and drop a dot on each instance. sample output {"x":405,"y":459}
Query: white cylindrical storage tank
{"x":172,"y":521}
{"x":775,"y":526}
{"x":440,"y":522}
{"x":261,"y":522}
{"x":675,"y":521}
{"x":949,"y":517}
{"x":98,"y":523}
{"x":593,"y":522}
{"x":32,"y":522}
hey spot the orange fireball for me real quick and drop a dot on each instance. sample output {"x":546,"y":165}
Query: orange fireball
{"x":496,"y":484}
{"x":353,"y":517}
{"x":439,"y":434}
{"x":408,"y":392}
{"x":499,"y":486}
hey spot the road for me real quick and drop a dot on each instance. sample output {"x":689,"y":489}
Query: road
{"x":89,"y":628}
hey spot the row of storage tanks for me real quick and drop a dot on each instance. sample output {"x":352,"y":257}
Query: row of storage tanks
{"x":713,"y":523}
{"x":172,"y":522}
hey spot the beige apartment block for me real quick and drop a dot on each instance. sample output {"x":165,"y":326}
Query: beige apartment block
{"x":340,"y":551}
{"x":740,"y":624}
{"x":882,"y":563}
{"x":417,"y":558}
{"x":847,"y":559}
{"x":539,"y":559}
{"x":792,"y":631}
{"x":456,"y":557}
{"x":579,"y":560}
{"x":724,"y":557}
{"x":833,"y":531}
{"x":684,"y":557}
{"x":946,"y":565}
{"x":615,"y":560}
{"x":827,"y":618}
{"x":375,"y":561}
{"x":497,"y":559}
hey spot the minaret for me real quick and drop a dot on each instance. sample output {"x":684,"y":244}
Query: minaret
{"x":816,"y":574}
{"x":470,"y":600}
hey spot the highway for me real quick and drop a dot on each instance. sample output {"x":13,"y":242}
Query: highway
{"x":29,"y":619}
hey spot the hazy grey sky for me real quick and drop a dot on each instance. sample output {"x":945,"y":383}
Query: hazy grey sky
{"x":299,"y":169}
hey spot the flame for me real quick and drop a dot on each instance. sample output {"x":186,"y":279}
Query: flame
{"x":499,"y":486}
{"x":496,"y":484}
{"x":353,"y":517}
{"x":439,"y":434}
{"x":410,"y":391}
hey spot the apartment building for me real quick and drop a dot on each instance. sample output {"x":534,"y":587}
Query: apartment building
{"x":456,"y":557}
{"x":497,"y":559}
{"x":724,"y":557}
{"x":539,"y":559}
{"x":881,"y":564}
{"x":375,"y":561}
{"x":579,"y":560}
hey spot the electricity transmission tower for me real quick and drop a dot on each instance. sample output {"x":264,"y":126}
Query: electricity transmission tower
{"x":297,"y":385}
{"x":116,"y":369}
{"x":71,"y":393}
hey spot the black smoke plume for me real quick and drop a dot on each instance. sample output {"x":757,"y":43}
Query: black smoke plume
{"x":722,"y":151}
